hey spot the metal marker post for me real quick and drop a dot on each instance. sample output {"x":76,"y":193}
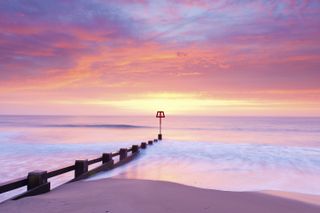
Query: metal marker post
{"x":160,"y":115}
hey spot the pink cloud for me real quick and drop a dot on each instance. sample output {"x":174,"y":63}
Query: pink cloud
{"x":102,"y":48}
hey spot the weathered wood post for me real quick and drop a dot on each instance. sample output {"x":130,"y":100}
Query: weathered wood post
{"x":107,"y":161}
{"x":135,"y":148}
{"x":37,"y":183}
{"x":81,"y":167}
{"x":123,"y":153}
{"x":143,"y":145}
{"x":106,"y":157}
{"x":36,"y":179}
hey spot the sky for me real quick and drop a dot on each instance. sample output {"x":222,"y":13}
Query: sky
{"x":129,"y":57}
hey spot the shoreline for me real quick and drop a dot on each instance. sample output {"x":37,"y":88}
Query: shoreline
{"x":296,"y":196}
{"x":305,"y":198}
{"x":145,"y":196}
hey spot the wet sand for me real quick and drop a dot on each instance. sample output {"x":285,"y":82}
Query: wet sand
{"x":144,"y":196}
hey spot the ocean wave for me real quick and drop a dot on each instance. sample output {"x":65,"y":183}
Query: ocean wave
{"x":109,"y":126}
{"x":231,"y":167}
{"x":236,"y":129}
{"x":112,"y":126}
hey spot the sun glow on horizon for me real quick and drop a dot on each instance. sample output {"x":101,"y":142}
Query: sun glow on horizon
{"x":179,"y":104}
{"x":133,"y":57}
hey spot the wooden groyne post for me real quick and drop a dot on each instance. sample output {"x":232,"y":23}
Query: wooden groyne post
{"x":81,"y":167}
{"x":37,"y":181}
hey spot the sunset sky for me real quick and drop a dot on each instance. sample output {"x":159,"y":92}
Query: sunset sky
{"x":197,"y":57}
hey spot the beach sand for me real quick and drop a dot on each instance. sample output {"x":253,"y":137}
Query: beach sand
{"x":144,"y":196}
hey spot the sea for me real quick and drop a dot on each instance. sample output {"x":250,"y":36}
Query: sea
{"x":223,"y":153}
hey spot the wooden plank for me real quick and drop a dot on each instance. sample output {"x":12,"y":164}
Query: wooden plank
{"x":126,"y":160}
{"x":21,"y":182}
{"x":60,"y":171}
{"x":104,"y":167}
{"x":115,"y":154}
{"x":13,"y":184}
{"x":97,"y":160}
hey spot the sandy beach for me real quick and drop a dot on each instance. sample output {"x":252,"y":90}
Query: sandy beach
{"x":144,"y":196}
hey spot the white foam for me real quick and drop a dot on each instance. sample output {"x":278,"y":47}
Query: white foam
{"x":234,"y":167}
